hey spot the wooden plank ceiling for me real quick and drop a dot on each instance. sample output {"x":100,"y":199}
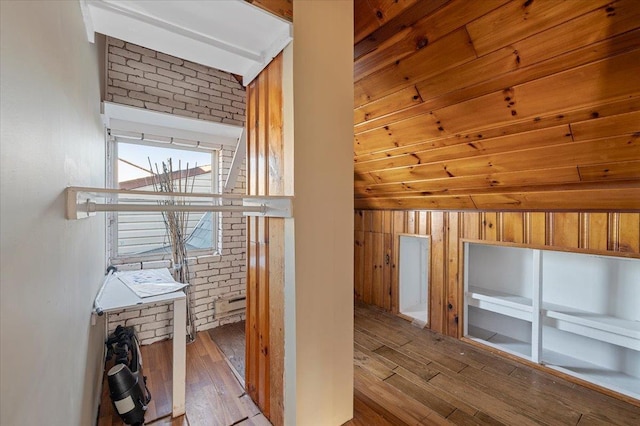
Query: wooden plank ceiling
{"x":497,"y":105}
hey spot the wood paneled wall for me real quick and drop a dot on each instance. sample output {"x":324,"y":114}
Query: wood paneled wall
{"x":497,"y":105}
{"x":376,"y":240}
{"x":265,"y":275}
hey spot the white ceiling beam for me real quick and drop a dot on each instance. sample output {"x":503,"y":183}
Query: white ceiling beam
{"x":236,"y":164}
{"x":245,"y":49}
{"x":177,"y":29}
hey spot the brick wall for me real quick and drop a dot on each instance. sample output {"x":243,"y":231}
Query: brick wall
{"x":144,"y":78}
{"x":148,"y":79}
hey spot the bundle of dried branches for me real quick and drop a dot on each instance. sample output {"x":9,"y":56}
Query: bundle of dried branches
{"x":176,"y":222}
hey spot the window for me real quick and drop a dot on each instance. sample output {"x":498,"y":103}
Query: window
{"x":133,"y":165}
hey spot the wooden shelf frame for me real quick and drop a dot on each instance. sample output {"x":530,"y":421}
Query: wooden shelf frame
{"x":83,"y":202}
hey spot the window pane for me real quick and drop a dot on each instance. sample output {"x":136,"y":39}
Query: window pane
{"x":143,"y":233}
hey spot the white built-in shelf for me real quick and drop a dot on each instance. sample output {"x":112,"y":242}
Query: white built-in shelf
{"x":612,"y":379}
{"x":607,"y":328}
{"x":501,"y":303}
{"x":500,"y":341}
{"x":599,"y":341}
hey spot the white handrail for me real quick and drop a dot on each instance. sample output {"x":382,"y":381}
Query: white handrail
{"x":82,"y":202}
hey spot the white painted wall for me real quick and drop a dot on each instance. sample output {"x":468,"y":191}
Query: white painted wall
{"x":50,"y":268}
{"x":323,"y":211}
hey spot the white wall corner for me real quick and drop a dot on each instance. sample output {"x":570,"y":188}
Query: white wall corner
{"x":88,"y":22}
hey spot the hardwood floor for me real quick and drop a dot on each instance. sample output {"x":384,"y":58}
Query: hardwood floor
{"x":214,"y":397}
{"x":403,"y":376}
{"x":231,"y":339}
{"x":406,"y":375}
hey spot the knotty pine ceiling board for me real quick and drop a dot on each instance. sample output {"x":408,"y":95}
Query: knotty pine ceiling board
{"x":404,"y":98}
{"x":613,"y":149}
{"x":517,"y":20}
{"x":401,"y":133}
{"x":561,"y":175}
{"x":405,"y":18}
{"x":446,"y":53}
{"x":610,"y":171}
{"x":627,"y":199}
{"x":483,"y":100}
{"x":606,"y":126}
{"x":596,"y":83}
{"x":521,"y":126}
{"x":460,"y":149}
{"x":364,"y":18}
{"x":369,"y":15}
{"x":425,"y":31}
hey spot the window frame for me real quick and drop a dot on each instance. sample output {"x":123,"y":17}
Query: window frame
{"x":112,"y":217}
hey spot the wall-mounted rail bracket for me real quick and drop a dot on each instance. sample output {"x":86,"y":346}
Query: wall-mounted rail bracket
{"x":272,"y":206}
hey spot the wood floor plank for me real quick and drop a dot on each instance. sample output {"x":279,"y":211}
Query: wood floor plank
{"x":602,"y":407}
{"x":512,"y":391}
{"x":429,"y":388}
{"x":459,"y":417}
{"x":420,"y":369}
{"x":363,"y":415}
{"x":418,"y":393}
{"x":366,"y":341}
{"x":376,"y":365}
{"x":258,"y":420}
{"x":388,"y":400}
{"x":440,"y":361}
{"x":381,"y":333}
{"x":447,"y":347}
{"x":496,"y":408}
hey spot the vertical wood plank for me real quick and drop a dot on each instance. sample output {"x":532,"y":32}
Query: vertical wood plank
{"x":376,"y":221}
{"x":583,"y":230}
{"x":537,"y":229}
{"x":387,"y":270}
{"x":358,"y":222}
{"x":275,"y":244}
{"x":399,"y":221}
{"x":358,"y":264}
{"x":513,"y":227}
{"x":265,"y":270}
{"x":566,"y":230}
{"x":377,"y":284}
{"x":489,"y":226}
{"x":366,"y":220}
{"x":598,"y":227}
{"x":437,"y":272}
{"x":387,"y":221}
{"x":395,"y":282}
{"x":421,"y":223}
{"x":629,"y":236}
{"x":410,"y":226}
{"x":367,"y":296}
{"x":264,"y":367}
{"x":453,"y":281}
{"x":276,"y":320}
{"x":613,"y":232}
{"x":471,"y":225}
{"x":251,"y":326}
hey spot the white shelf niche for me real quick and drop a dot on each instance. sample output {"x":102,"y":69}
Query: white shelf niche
{"x":581,"y":310}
